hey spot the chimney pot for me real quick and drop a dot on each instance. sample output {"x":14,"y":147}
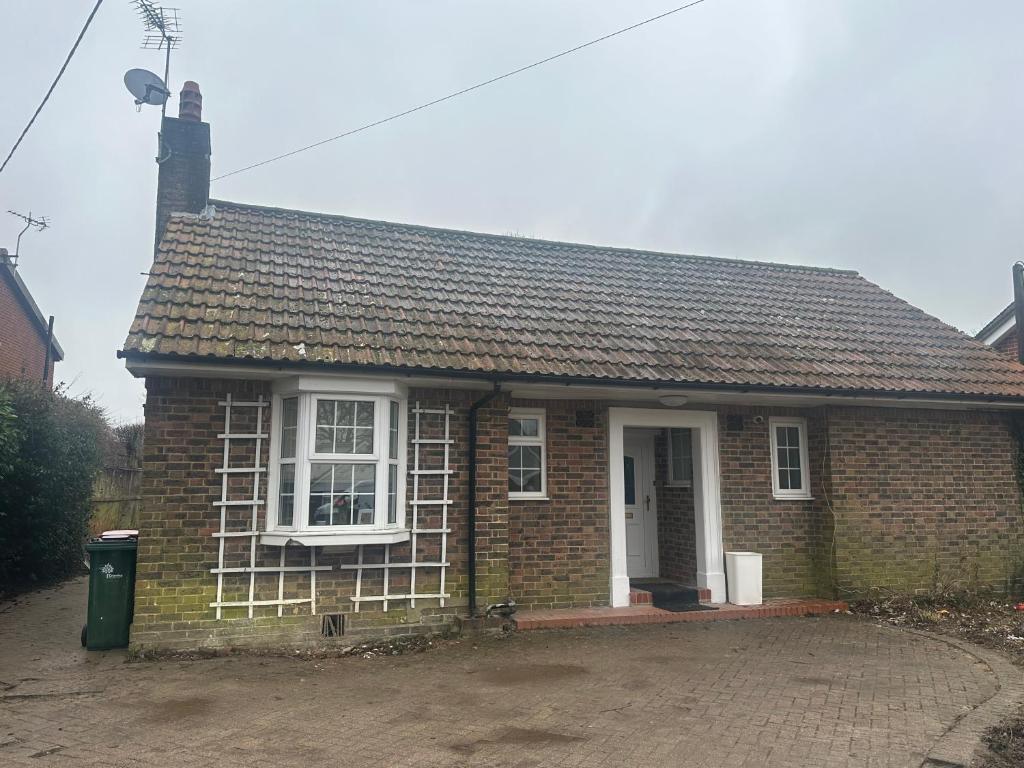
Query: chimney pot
{"x":190,"y":103}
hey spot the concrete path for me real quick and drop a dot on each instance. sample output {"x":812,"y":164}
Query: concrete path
{"x":832,"y":691}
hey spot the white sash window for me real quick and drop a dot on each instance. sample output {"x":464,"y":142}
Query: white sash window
{"x":337,"y":459}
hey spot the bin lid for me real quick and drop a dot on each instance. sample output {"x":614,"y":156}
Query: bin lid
{"x":127,"y":533}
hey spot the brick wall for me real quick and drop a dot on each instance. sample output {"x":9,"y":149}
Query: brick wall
{"x":900,"y":498}
{"x":787,"y":532}
{"x":923,"y":497}
{"x":559,"y":549}
{"x":178,"y":518}
{"x":22,"y":346}
{"x":1008,"y":344}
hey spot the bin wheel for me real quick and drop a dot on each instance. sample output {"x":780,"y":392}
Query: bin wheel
{"x":84,"y":628}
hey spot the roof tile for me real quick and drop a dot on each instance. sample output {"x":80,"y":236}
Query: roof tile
{"x":275,"y":285}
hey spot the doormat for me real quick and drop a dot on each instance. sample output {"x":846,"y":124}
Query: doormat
{"x":671,"y":597}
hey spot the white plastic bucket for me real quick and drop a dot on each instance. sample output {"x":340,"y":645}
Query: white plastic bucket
{"x":743,"y":571}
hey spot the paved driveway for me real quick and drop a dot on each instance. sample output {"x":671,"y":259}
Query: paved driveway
{"x":776,"y":692}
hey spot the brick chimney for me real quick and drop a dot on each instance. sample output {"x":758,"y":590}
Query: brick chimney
{"x":184,"y":159}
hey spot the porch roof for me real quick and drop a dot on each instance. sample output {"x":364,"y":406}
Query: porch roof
{"x":248,"y":283}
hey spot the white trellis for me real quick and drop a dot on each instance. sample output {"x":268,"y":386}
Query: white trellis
{"x":252,"y":531}
{"x":415,"y":531}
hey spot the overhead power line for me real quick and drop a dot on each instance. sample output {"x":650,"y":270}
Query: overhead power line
{"x":56,"y":80}
{"x":456,"y":94}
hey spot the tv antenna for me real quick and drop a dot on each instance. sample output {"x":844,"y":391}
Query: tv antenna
{"x":162,"y":33}
{"x":39,"y":224}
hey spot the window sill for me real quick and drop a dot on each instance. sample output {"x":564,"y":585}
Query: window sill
{"x":801,"y":497}
{"x":528,"y":498}
{"x":333,"y":538}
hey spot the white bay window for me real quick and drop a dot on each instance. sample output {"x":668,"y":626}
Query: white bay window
{"x":337,"y":468}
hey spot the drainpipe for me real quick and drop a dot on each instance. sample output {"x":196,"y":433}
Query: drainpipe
{"x":49,"y":351}
{"x":472,"y":493}
{"x":1018,"y":306}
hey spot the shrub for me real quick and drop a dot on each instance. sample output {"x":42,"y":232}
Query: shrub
{"x":51,"y":447}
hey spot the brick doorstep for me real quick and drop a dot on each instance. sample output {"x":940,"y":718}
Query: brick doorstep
{"x":648,"y":614}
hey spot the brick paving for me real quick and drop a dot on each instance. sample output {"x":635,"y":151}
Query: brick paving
{"x":833,"y":691}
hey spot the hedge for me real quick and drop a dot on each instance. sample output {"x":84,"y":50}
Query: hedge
{"x":51,"y":447}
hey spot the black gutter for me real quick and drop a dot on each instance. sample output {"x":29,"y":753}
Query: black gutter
{"x":471,"y":523}
{"x":460,"y":373}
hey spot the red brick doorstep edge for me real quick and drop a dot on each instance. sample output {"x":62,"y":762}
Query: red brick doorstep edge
{"x":647,"y":614}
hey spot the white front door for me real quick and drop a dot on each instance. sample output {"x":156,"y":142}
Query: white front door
{"x":641,"y":505}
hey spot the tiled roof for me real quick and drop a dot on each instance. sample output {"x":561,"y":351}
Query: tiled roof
{"x":265,"y":284}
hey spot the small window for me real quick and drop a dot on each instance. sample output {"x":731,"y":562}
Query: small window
{"x":680,"y":457}
{"x":790,"y":478}
{"x":527,"y":463}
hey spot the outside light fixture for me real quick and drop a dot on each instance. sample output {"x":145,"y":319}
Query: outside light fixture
{"x":672,"y":401}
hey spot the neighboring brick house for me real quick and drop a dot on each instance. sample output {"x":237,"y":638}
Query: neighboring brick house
{"x":382,"y":426}
{"x":1001,"y":333}
{"x":23,"y":330}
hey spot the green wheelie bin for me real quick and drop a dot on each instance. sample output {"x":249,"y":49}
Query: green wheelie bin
{"x":111,"y":590}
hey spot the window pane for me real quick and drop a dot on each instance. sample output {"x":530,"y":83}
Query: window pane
{"x":289,"y":426}
{"x":342,"y":494}
{"x":682,"y":455}
{"x":530,"y":457}
{"x":364,"y":413}
{"x":286,"y":495}
{"x":793,"y":461}
{"x":324,"y":440}
{"x":629,"y":473}
{"x":393,"y":430}
{"x":345,"y":413}
{"x":784,"y":479}
{"x":531,"y":480}
{"x":325,"y":413}
{"x":525,"y":427}
{"x":344,"y":440}
{"x":515,"y":463}
{"x":363,"y":440}
{"x":321,"y":478}
{"x":795,"y":481}
{"x":392,"y":493}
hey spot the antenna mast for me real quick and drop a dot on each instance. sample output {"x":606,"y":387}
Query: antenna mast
{"x":39,"y":224}
{"x":163,"y":32}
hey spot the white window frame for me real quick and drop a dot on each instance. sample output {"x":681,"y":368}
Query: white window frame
{"x":540,"y":440}
{"x":671,"y":480}
{"x":774,"y":423}
{"x":308,"y":393}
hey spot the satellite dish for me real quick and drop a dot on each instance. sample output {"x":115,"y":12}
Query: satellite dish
{"x":146,"y":87}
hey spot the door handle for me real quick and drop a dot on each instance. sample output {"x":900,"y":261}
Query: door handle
{"x":647,"y":503}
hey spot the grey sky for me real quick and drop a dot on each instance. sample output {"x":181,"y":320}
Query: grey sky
{"x":883,"y":137}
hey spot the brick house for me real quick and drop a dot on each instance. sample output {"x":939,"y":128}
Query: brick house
{"x":1001,"y":332}
{"x":23,"y":330}
{"x":363,"y":426}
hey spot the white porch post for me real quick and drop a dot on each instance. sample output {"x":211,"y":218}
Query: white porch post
{"x":707,"y":511}
{"x":707,"y":498}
